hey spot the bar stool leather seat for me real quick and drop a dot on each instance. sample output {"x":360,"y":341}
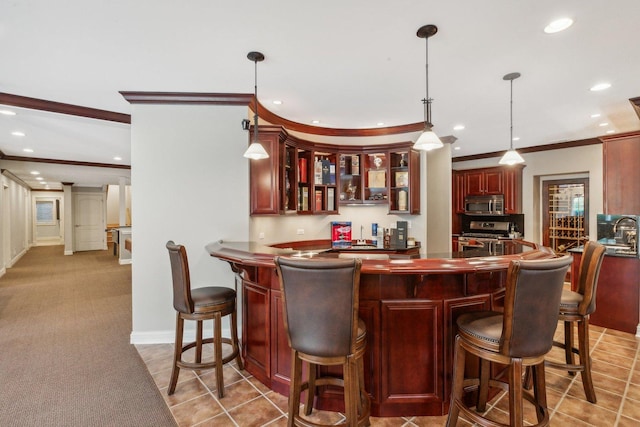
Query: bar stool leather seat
{"x":199,"y":304}
{"x":576,"y":308}
{"x":518,"y":338}
{"x":320,"y":301}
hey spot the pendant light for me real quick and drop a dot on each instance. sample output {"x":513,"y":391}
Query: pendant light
{"x":255,"y":151}
{"x":428,"y":140}
{"x":511,"y":157}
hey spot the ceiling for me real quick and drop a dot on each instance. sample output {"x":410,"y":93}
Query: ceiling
{"x":347,"y":64}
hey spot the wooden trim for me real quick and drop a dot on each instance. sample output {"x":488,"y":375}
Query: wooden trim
{"x":636,"y":104}
{"x":62,"y":108}
{"x":325,"y":131}
{"x":533,"y":149}
{"x":187,"y":98}
{"x":62,"y":162}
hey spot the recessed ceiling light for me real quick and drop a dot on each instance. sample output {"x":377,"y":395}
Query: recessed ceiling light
{"x":457,"y":148}
{"x":315,"y":122}
{"x":7,"y":113}
{"x":603,"y":124}
{"x":35,"y":173}
{"x":39,"y":178}
{"x":516,"y":138}
{"x":458,"y":127}
{"x":595,"y":115}
{"x":43,"y":182}
{"x":27,"y":150}
{"x":558,"y":25}
{"x":17,"y":133}
{"x":611,"y":131}
{"x":380,"y":123}
{"x":277,"y":102}
{"x":600,"y":86}
{"x":118,"y":158}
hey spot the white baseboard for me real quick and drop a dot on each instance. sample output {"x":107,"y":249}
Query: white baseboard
{"x":68,"y":252}
{"x":124,"y":261}
{"x":168,"y":337}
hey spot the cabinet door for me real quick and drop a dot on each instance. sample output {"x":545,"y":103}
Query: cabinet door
{"x":399,"y":326}
{"x":493,"y":182}
{"x":255,"y":330}
{"x":513,"y":190}
{"x":266,"y":176}
{"x":458,"y":192}
{"x":474,"y":183}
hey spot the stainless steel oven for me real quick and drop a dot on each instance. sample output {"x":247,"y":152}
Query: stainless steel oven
{"x":484,"y":236}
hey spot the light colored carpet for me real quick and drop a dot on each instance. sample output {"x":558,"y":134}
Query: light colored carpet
{"x":65,"y":357}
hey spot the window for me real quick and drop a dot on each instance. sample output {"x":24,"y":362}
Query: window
{"x":46,"y":212}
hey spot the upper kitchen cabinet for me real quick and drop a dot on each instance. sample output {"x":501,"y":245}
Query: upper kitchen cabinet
{"x":480,"y":182}
{"x":268,"y":177}
{"x":385,"y":175}
{"x":621,"y":170}
{"x":489,"y":181}
{"x":303,"y":177}
{"x":404,"y":194}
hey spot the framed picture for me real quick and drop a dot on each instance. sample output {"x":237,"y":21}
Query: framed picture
{"x":377,"y":179}
{"x":402,"y":179}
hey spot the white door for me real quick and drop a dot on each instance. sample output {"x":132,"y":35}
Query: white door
{"x":89,"y":222}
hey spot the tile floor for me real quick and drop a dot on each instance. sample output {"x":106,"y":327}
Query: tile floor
{"x":616,"y":372}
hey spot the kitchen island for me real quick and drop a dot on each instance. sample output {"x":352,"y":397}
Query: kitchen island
{"x":409,"y":302}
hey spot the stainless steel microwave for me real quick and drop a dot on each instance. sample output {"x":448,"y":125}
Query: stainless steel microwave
{"x":484,"y":205}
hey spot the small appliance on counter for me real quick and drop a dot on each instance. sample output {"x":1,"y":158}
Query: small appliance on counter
{"x":341,"y":234}
{"x":619,"y":233}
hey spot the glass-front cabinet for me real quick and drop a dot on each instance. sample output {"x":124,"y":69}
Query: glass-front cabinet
{"x":350,"y":179}
{"x":303,"y":177}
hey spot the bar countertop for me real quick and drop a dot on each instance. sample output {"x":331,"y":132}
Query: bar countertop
{"x":376,"y":261}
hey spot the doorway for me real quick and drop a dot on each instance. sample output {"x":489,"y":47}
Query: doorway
{"x":47,"y":224}
{"x":565,"y":213}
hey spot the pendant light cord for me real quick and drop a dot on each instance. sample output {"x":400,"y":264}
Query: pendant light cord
{"x":255,"y":99}
{"x":511,"y":117}
{"x":427,"y":101}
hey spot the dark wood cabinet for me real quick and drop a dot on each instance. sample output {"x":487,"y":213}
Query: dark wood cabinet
{"x":618,"y":293}
{"x":489,"y":181}
{"x":621,"y":170}
{"x":307,"y":177}
{"x":267,"y":177}
{"x":484,"y":182}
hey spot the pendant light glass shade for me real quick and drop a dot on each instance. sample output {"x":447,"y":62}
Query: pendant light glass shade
{"x":511,"y":157}
{"x":428,"y":140}
{"x":255,"y":151}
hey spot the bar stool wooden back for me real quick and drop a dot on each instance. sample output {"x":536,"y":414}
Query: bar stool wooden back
{"x":199,"y":304}
{"x":576,"y":307}
{"x":519,"y":337}
{"x":320,"y":300}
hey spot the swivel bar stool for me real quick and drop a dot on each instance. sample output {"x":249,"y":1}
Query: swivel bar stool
{"x":206,"y":303}
{"x":320,"y":301}
{"x":576,"y":307}
{"x":520,"y":337}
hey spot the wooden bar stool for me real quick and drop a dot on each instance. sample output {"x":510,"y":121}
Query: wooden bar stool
{"x":518,"y":338}
{"x":576,"y":307}
{"x":320,"y":300}
{"x":199,"y":304}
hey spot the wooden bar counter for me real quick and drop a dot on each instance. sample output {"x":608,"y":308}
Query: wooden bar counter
{"x":408,"y":300}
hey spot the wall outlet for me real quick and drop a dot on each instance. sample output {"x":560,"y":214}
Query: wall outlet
{"x":300,"y":231}
{"x":261,"y":235}
{"x":409,"y":224}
